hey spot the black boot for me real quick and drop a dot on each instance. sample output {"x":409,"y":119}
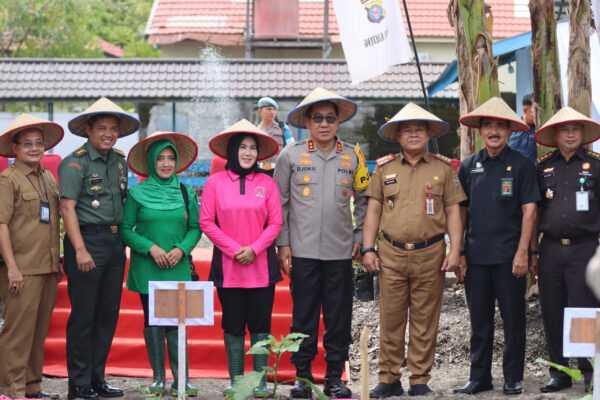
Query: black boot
{"x":302,"y":390}
{"x":334,"y":386}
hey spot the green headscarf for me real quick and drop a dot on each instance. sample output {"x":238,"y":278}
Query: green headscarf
{"x":155,"y":192}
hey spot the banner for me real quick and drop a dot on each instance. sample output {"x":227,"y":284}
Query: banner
{"x":373,"y":36}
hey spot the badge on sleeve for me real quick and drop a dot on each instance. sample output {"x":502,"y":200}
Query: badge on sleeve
{"x":506,"y":186}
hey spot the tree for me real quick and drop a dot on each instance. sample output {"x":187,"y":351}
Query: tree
{"x":477,"y":68}
{"x":544,"y":57}
{"x":580,"y":82}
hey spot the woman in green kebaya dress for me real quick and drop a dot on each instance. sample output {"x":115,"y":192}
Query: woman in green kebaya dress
{"x":161,"y":231}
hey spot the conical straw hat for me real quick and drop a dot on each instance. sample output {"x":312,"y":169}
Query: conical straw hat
{"x":346,"y":107}
{"x":267,"y":146}
{"x":52,"y":133}
{"x":187,"y":151}
{"x":494,"y":108}
{"x":591,"y":129}
{"x":412,"y":112}
{"x":127,"y":123}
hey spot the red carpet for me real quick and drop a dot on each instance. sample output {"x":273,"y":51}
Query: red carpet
{"x":207,"y":358}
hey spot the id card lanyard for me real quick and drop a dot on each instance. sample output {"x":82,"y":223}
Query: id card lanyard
{"x":582,"y":198}
{"x":44,"y":205}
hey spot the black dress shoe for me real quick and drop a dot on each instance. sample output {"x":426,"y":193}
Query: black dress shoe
{"x":420,"y":389}
{"x":336,"y":389}
{"x":556,"y":384}
{"x":301,"y":390}
{"x":512,"y":388}
{"x":81,"y":392}
{"x":105,"y":390}
{"x":43,"y":395}
{"x":473,"y":387}
{"x":383,"y":390}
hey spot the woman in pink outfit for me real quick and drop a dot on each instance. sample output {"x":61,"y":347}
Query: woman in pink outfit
{"x":241,"y":214}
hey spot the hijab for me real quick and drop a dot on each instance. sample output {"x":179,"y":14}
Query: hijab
{"x":155,"y":192}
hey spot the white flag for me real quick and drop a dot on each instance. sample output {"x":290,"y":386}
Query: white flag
{"x":373,"y":36}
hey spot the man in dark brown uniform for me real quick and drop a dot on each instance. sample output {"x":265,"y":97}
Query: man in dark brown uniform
{"x":569,"y":218}
{"x":414,"y":199}
{"x":29,"y":243}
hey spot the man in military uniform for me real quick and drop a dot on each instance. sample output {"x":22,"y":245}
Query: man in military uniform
{"x":29,"y":243}
{"x":569,"y":219}
{"x":500,"y":211}
{"x":414,"y":199}
{"x":315,"y":178}
{"x":93,"y":187}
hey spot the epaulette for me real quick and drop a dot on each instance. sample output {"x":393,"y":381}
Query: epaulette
{"x":119,"y":152}
{"x":593,"y":154}
{"x":385,"y":159}
{"x":544,"y":157}
{"x":442,"y":158}
{"x":80,"y":152}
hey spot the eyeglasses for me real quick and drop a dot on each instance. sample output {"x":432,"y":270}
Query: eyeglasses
{"x":28,"y":144}
{"x":318,"y":118}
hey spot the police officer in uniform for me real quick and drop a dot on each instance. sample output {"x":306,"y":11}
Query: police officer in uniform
{"x":501,"y":187}
{"x":93,"y":187}
{"x":29,"y":243}
{"x":569,"y":219}
{"x":414,"y":199}
{"x":317,"y":242}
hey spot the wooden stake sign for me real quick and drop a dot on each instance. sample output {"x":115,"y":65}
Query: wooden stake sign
{"x":180,"y":304}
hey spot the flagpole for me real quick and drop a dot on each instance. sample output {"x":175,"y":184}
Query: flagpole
{"x":412,"y":38}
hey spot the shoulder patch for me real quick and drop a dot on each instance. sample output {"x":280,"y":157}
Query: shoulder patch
{"x":442,"y":158}
{"x":547,"y":156}
{"x":385,"y":159}
{"x":593,"y":154}
{"x":80,"y":152}
{"x":118,"y":152}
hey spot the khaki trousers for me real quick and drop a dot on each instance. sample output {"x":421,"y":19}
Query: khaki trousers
{"x":27,"y":317}
{"x":411,"y":289}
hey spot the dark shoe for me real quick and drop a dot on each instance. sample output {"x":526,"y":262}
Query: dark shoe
{"x":336,"y":389}
{"x":301,"y":390}
{"x":43,"y":395}
{"x":81,"y":392}
{"x":587,"y":384}
{"x":105,"y":390}
{"x":512,"y":388}
{"x":383,"y":390}
{"x":420,"y":389}
{"x":556,"y":384}
{"x":473,"y":387}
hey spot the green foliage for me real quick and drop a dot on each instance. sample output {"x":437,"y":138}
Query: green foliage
{"x":146,"y":393}
{"x":72,"y":28}
{"x":244,"y":385}
{"x":573,"y":373}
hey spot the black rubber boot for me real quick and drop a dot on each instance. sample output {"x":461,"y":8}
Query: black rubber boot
{"x":259,"y":362}
{"x":154,"y":336}
{"x":172,"y":345}
{"x":234,"y":346}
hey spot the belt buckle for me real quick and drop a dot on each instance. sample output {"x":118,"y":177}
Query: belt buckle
{"x":114,"y":229}
{"x":565,"y":242}
{"x":409,"y":246}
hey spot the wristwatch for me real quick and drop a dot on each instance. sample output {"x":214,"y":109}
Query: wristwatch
{"x":366,"y":250}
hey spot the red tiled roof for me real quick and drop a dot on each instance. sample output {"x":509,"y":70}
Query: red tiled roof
{"x":111,"y":49}
{"x":223,"y":23}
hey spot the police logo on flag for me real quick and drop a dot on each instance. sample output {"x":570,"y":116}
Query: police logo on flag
{"x":375,"y":11}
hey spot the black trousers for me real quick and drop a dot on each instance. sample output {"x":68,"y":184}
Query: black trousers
{"x":95,"y":300}
{"x":562,"y":284}
{"x":326,"y":285}
{"x":246,"y":307}
{"x":483,"y":285}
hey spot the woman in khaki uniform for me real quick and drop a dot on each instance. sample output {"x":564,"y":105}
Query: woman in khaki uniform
{"x":29,"y":243}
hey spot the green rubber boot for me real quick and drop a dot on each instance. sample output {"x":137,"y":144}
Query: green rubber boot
{"x":154,"y":336}
{"x":234,"y":346}
{"x":260,"y":361}
{"x":172,"y":345}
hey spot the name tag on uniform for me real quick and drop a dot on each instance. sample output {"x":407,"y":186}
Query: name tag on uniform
{"x":390,"y":179}
{"x":429,"y":206}
{"x":582,"y":201}
{"x":506,"y":187}
{"x":478,"y":170}
{"x":45,"y":212}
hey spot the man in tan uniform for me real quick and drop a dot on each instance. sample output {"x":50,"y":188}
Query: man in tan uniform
{"x":29,"y":243}
{"x":414,"y":200}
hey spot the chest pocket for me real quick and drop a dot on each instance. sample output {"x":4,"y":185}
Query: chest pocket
{"x":95,"y":189}
{"x":305,"y":183}
{"x":390,"y":192}
{"x":436,"y":193}
{"x":343,"y":186}
{"x":31,"y":203}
